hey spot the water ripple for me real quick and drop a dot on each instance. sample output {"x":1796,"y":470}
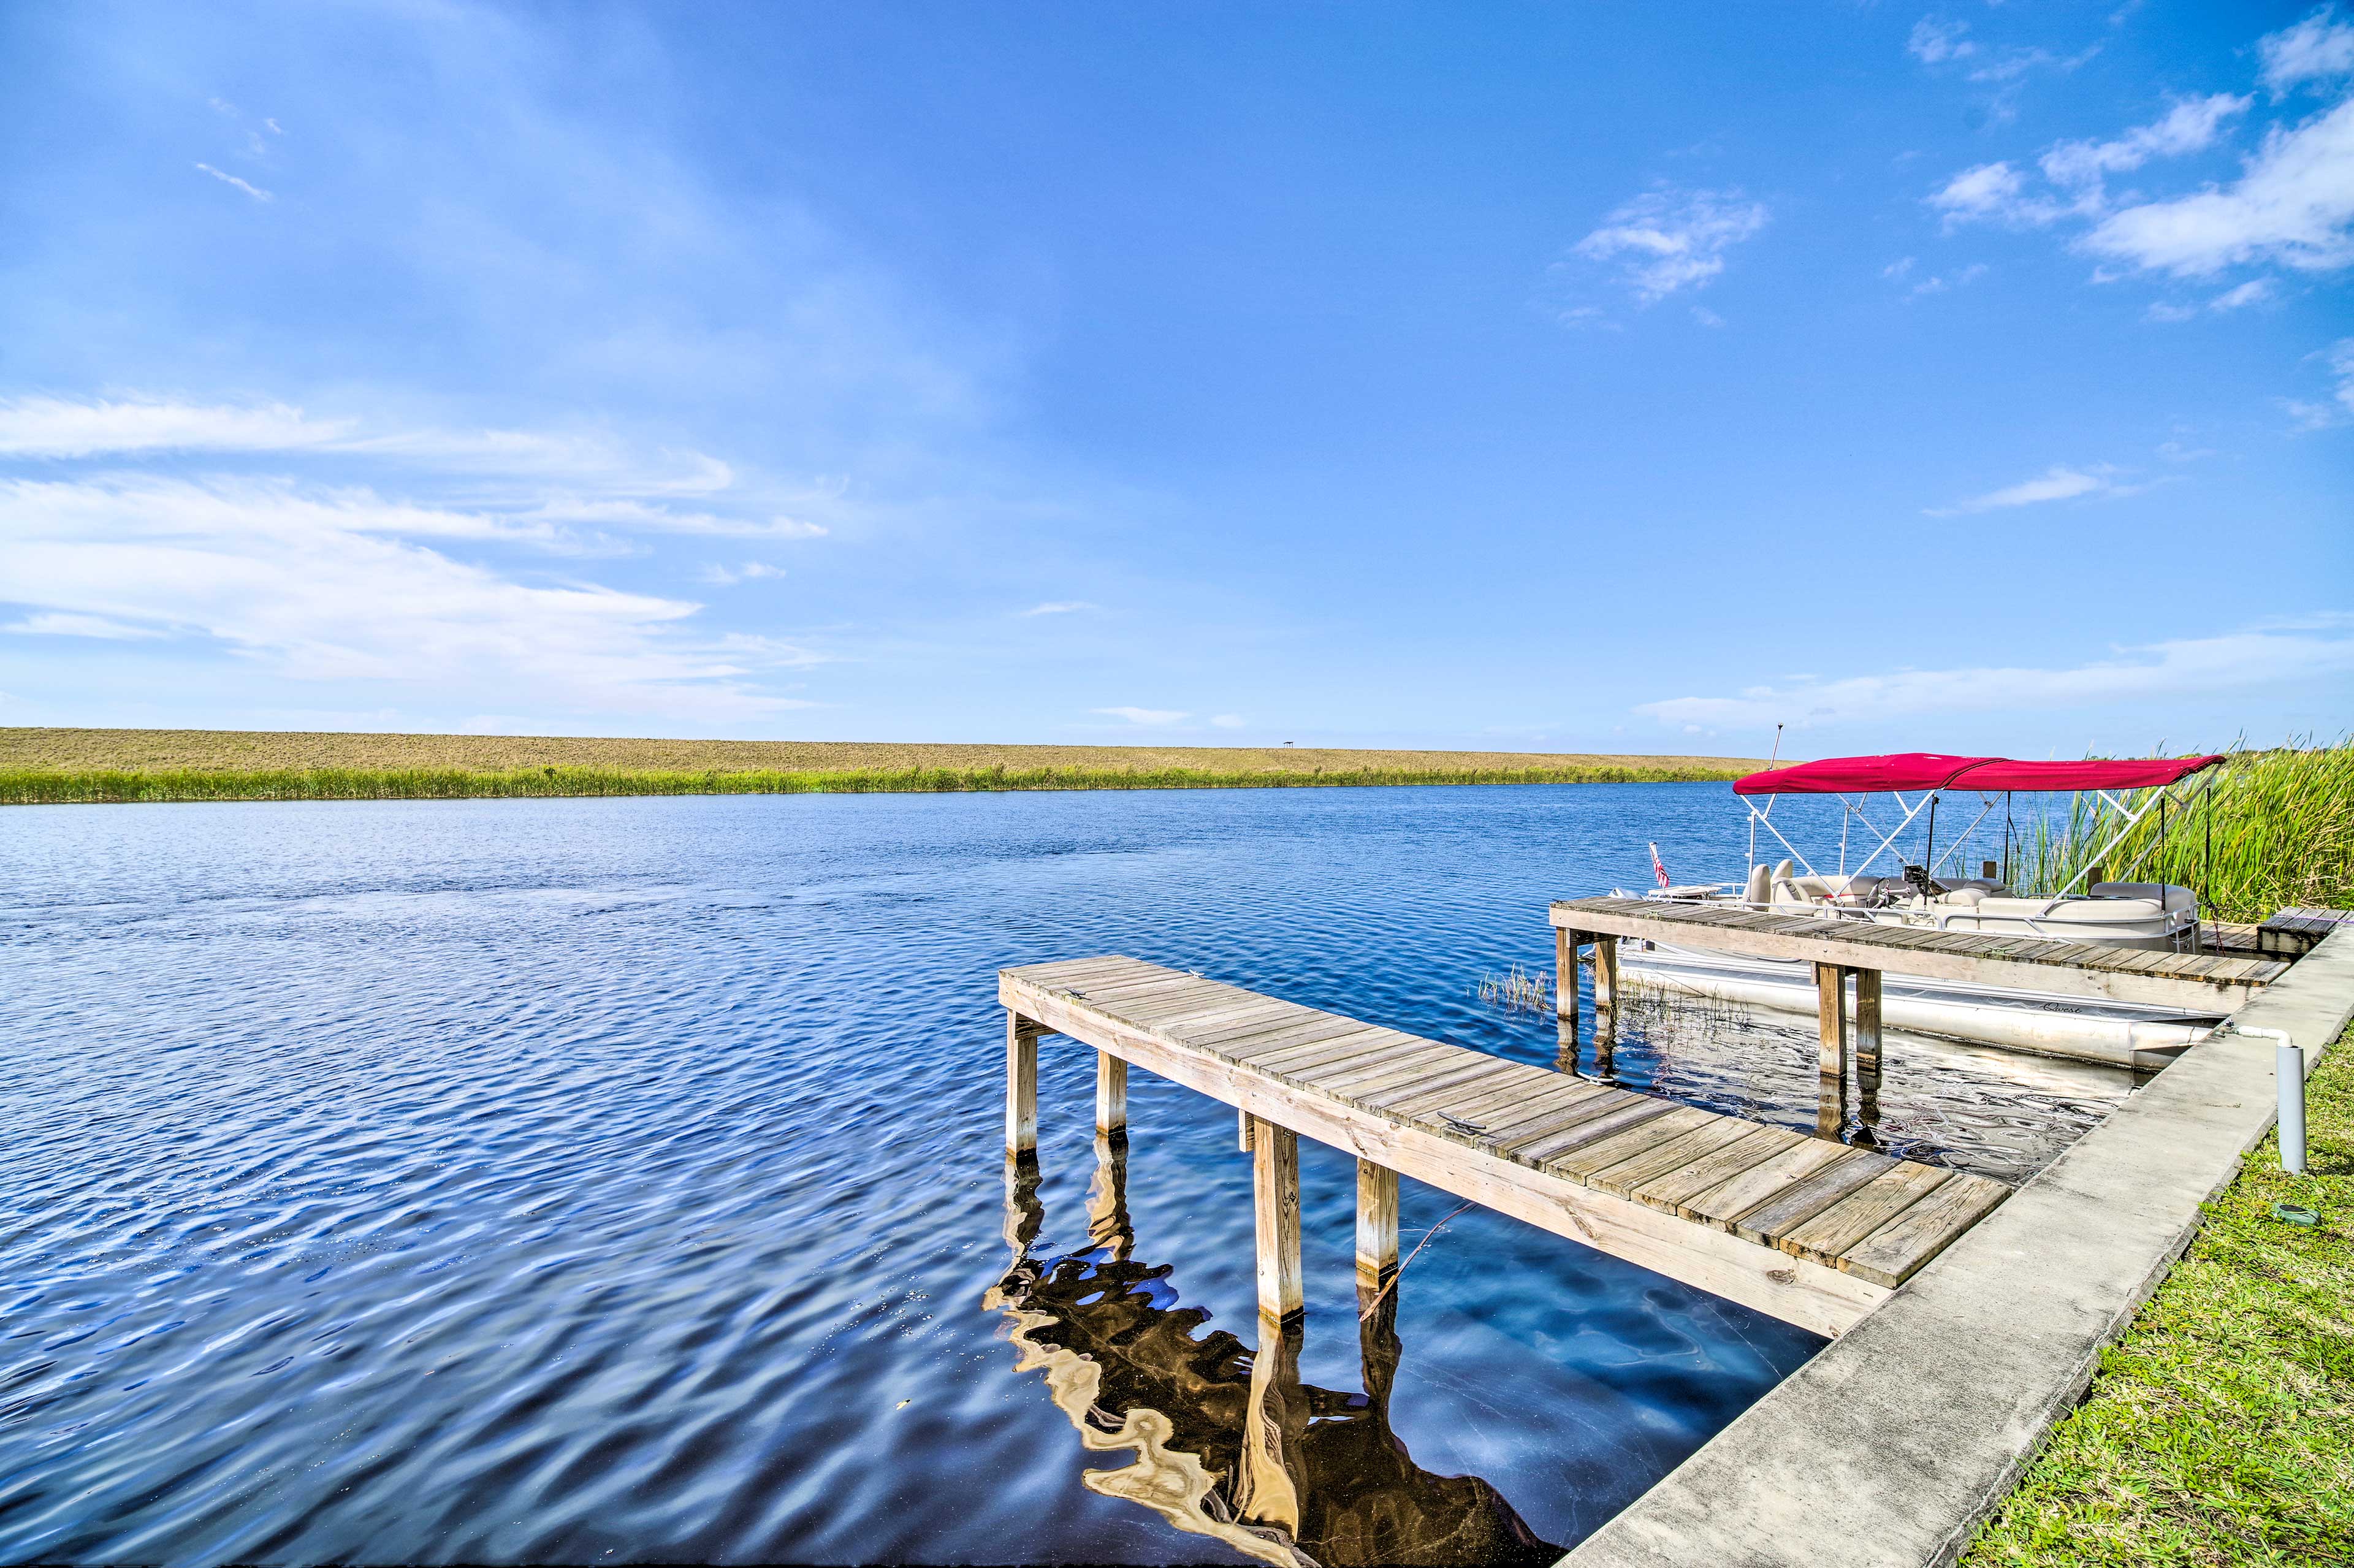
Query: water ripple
{"x":619,"y":1180}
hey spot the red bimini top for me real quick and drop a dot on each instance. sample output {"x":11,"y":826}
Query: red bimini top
{"x":1933,"y":770}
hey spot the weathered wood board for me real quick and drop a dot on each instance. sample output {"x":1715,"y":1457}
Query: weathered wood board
{"x":2200,"y":982}
{"x":1810,"y":1231}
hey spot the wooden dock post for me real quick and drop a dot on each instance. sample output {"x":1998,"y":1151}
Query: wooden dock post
{"x":1867,"y":1031}
{"x":1111,"y":1095}
{"x":1275,"y":1193}
{"x":1831,"y":1007}
{"x":1020,"y":1086}
{"x":1565,"y":975}
{"x":1243,"y":1130}
{"x":1377,"y":1223}
{"x":1606,"y":972}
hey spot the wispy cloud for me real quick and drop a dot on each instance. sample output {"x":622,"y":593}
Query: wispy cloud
{"x":2317,"y":48}
{"x":1936,"y":40}
{"x":750,"y":571}
{"x":56,"y":625}
{"x":2292,"y":206}
{"x":255,"y":191}
{"x":2339,"y":359}
{"x":2060,"y":483}
{"x":1149,"y":717}
{"x":2255,"y":657}
{"x":80,"y":428}
{"x":323,"y":584}
{"x":1059,"y":606}
{"x":1669,"y":240}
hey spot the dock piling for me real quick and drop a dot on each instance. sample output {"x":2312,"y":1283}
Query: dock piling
{"x":1377,"y":1223}
{"x":1830,"y":998}
{"x":1020,"y":1086}
{"x":1111,"y":1095}
{"x":1275,"y":1194}
{"x":1564,"y":976}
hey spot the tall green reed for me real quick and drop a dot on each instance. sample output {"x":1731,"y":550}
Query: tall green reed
{"x":2275,"y":830}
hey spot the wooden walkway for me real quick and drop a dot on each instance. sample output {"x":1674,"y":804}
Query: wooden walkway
{"x":2201,"y":982}
{"x":1811,"y":1230}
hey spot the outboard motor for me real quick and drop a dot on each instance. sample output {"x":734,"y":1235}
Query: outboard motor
{"x":1918,"y":879}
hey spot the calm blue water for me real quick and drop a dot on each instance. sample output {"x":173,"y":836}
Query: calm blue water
{"x":614,"y":1181}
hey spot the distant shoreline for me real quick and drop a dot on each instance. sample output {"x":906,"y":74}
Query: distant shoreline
{"x":70,"y":767}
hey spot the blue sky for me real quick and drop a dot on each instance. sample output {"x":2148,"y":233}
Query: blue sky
{"x":1556,"y":377}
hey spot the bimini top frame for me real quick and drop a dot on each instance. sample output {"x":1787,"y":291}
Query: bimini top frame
{"x":1987,"y":777}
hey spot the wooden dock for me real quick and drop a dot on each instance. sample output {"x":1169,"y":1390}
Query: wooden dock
{"x":2201,"y":982}
{"x":1808,"y":1230}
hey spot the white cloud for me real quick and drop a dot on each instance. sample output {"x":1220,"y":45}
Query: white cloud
{"x":2293,"y":206}
{"x":274,"y":128}
{"x":255,"y":191}
{"x":2163,"y":670}
{"x":750,"y":571}
{"x":71,"y":427}
{"x":2163,"y":312}
{"x":2190,"y":126}
{"x":1898,"y":268}
{"x":1228,"y":721}
{"x":1668,"y":239}
{"x":54,"y":625}
{"x":1987,"y":191}
{"x":1940,"y":283}
{"x":2339,"y":359}
{"x":1059,"y":606}
{"x":2060,"y":483}
{"x":2254,"y":291}
{"x":1936,"y":40}
{"x":558,"y":477}
{"x":2316,"y":49}
{"x":1149,"y":716}
{"x":1706,"y":317}
{"x":320,"y":584}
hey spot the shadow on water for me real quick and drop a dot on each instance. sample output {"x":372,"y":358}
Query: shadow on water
{"x":1228,"y":1440}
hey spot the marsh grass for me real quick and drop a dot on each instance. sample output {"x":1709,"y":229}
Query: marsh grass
{"x":1517,"y":990}
{"x":2277,"y":831}
{"x":2220,"y":1429}
{"x":79,"y":767}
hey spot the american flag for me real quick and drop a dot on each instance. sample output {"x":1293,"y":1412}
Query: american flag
{"x":1658,"y":866}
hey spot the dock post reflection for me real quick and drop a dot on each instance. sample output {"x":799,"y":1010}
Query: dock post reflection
{"x":1224,"y":1439}
{"x":1275,"y":1427}
{"x":1107,"y":1221}
{"x":1025,"y":1215}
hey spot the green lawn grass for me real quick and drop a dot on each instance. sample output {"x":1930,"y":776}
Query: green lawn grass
{"x":2221,"y":1428}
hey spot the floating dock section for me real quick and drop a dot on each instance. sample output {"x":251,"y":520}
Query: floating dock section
{"x":1806,"y":1229}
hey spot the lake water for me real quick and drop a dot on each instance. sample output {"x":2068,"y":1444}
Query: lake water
{"x":615,"y":1180}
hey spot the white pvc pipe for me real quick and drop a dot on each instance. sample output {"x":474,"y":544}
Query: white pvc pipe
{"x":2288,"y":1069}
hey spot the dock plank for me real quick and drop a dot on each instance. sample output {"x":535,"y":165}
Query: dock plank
{"x":1894,"y":1253}
{"x":1670,"y":1186}
{"x":2065,"y":969}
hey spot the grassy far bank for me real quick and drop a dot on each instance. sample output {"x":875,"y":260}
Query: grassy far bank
{"x":2219,"y":1430}
{"x":75,"y":765}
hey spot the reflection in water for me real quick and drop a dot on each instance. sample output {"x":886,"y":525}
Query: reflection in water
{"x":1942,"y":1102}
{"x":1228,"y":1442}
